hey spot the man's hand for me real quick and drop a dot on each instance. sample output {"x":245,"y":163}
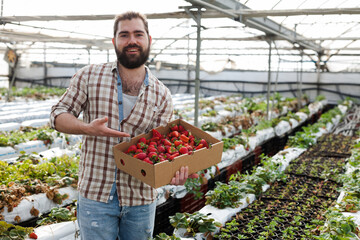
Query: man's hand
{"x":68,"y":123}
{"x":98,"y":128}
{"x":181,"y":176}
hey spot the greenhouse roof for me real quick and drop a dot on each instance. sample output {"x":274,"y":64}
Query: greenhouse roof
{"x":235,"y":34}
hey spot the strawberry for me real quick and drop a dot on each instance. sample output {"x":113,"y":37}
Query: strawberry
{"x":148,"y":160}
{"x":142,"y":140}
{"x":199,"y":146}
{"x":177,"y":143}
{"x":204,"y":143}
{"x":156,"y":133}
{"x":138,"y":151}
{"x":167,"y":142}
{"x":152,"y":144}
{"x":151,"y":149}
{"x":141,"y":156}
{"x":174,"y":156}
{"x":161,"y":149}
{"x":174,"y":127}
{"x":132,"y":149}
{"x":186,"y":133}
{"x":153,"y":156}
{"x":181,"y":128}
{"x":141,"y":145}
{"x":184,"y":138}
{"x":155,"y":139}
{"x":174,"y":134}
{"x":183,"y":150}
{"x":33,"y":235}
{"x":171,"y":150}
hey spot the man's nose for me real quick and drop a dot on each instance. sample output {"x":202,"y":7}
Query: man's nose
{"x":132,"y":39}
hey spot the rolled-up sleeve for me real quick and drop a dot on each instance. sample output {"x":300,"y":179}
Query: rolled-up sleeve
{"x":74,"y":100}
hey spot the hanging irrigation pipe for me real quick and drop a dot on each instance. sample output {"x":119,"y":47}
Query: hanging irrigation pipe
{"x":349,"y":125}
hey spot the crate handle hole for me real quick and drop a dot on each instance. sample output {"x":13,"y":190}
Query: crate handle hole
{"x":143,"y":172}
{"x":122,"y":162}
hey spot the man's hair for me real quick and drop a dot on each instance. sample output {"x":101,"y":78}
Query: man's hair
{"x":128,"y":16}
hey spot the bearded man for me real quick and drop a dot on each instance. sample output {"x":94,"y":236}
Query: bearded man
{"x":118,"y":100}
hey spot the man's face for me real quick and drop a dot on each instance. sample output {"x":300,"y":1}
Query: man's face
{"x":132,"y":43}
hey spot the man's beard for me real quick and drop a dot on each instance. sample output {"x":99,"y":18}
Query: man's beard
{"x":132,"y":62}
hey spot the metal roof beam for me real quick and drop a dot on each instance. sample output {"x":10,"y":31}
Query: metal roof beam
{"x":266,"y":25}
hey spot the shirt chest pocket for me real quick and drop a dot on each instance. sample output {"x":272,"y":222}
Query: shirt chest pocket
{"x":142,"y":118}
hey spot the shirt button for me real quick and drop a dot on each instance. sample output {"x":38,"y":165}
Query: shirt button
{"x":119,"y":84}
{"x":120,"y":102}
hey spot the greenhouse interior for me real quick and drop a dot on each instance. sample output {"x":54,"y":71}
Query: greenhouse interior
{"x":264,"y":94}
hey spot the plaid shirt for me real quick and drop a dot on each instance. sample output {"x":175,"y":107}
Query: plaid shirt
{"x":93,"y":90}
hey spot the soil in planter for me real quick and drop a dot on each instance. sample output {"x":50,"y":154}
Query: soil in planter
{"x":321,"y":167}
{"x":301,"y":188}
{"x":275,"y":219}
{"x":333,"y":145}
{"x":292,"y":209}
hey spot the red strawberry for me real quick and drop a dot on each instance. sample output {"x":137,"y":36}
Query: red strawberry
{"x":167,"y":142}
{"x":183,"y":150}
{"x":199,"y":146}
{"x":181,"y":128}
{"x":141,"y":145}
{"x":151,"y":149}
{"x":174,"y":156}
{"x":204,"y":143}
{"x":171,"y":150}
{"x":161,"y":149}
{"x":33,"y":235}
{"x":174,"y":134}
{"x":184,"y":138}
{"x":177,"y":143}
{"x":156,"y":133}
{"x":174,"y":127}
{"x":148,"y":160}
{"x":153,"y":156}
{"x":142,"y":140}
{"x":152,"y":144}
{"x":132,"y":149}
{"x":141,"y":156}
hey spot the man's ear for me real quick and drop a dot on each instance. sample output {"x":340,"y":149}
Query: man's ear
{"x":113,"y":41}
{"x":150,"y":40}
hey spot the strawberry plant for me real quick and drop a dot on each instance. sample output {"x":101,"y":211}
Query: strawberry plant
{"x":164,"y":236}
{"x":12,"y":232}
{"x":194,"y":223}
{"x":226,"y":195}
{"x":58,"y":214}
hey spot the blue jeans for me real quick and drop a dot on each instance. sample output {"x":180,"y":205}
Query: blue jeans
{"x":109,"y":221}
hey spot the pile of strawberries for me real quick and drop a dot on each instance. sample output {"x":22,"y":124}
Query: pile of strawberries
{"x":161,"y":148}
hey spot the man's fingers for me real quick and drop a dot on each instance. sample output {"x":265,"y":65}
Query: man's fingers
{"x":115,"y":133}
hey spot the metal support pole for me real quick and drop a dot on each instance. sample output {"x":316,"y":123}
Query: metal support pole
{"x":88,"y":50}
{"x":45,"y":68}
{"x":197,"y":72}
{"x":318,"y":75}
{"x":188,"y":66}
{"x":300,"y":80}
{"x":269,"y":83}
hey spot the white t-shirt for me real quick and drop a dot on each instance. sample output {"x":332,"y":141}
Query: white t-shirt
{"x":128,"y":104}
